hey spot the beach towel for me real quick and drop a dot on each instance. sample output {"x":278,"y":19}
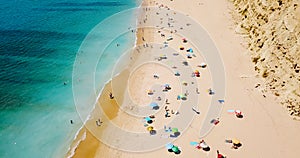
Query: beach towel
{"x":230,"y":111}
{"x":194,"y":143}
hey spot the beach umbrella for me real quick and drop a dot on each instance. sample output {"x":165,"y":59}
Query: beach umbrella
{"x":189,"y":56}
{"x":153,"y":104}
{"x":169,"y":146}
{"x":183,"y":97}
{"x":181,"y":48}
{"x":175,"y":149}
{"x":203,"y":65}
{"x":190,"y":50}
{"x":150,"y":128}
{"x":166,"y":85}
{"x":203,"y":145}
{"x":235,"y":141}
{"x":149,"y":92}
{"x":147,"y":118}
{"x":153,"y":132}
{"x":174,"y":130}
{"x":238,"y":112}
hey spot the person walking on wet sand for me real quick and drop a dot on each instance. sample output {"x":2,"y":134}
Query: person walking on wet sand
{"x":99,"y":122}
{"x":111,"y":96}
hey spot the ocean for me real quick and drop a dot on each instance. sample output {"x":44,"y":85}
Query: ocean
{"x":39,"y":43}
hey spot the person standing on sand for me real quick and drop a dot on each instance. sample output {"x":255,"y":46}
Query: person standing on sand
{"x":220,"y":155}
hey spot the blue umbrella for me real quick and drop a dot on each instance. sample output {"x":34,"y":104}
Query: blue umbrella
{"x":190,"y":50}
{"x":153,"y":104}
{"x":169,"y":146}
{"x":147,"y":118}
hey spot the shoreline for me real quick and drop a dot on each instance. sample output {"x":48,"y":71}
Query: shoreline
{"x":224,"y":130}
{"x":83,"y":134}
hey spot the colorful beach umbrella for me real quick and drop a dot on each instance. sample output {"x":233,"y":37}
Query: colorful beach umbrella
{"x":235,"y":141}
{"x":203,"y":65}
{"x":174,"y":130}
{"x":149,"y":92}
{"x":238,"y":112}
{"x":153,"y":104}
{"x":203,"y":145}
{"x":177,"y":74}
{"x":150,"y":128}
{"x":190,"y":50}
{"x":169,"y":146}
{"x":147,"y":118}
{"x":189,"y":56}
{"x":175,"y":149}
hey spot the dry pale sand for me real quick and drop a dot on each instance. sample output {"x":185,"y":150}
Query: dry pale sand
{"x":265,"y":131}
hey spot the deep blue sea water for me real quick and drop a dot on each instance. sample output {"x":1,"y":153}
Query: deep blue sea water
{"x":38,"y":45}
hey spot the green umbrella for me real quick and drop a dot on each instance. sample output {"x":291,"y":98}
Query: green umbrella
{"x":175,"y":149}
{"x":174,"y":130}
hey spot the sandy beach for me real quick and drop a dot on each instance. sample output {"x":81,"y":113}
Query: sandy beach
{"x":266,"y":129}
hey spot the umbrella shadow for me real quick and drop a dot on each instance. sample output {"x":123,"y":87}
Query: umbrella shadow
{"x":206,"y":149}
{"x":237,"y":145}
{"x":152,"y":132}
{"x":155,"y":108}
{"x":240,"y":116}
{"x":178,"y":152}
{"x":184,"y":98}
{"x":175,"y":135}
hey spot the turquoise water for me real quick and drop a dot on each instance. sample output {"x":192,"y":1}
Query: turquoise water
{"x":38,"y":45}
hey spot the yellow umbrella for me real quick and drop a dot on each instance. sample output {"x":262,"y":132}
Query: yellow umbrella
{"x":235,"y":141}
{"x":149,"y":92}
{"x":150,"y":128}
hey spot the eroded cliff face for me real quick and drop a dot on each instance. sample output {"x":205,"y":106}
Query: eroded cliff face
{"x":272,"y":32}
